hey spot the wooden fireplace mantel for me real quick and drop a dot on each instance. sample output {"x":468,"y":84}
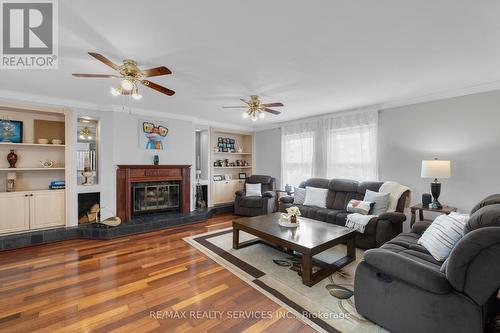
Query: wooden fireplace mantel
{"x":126,"y":175}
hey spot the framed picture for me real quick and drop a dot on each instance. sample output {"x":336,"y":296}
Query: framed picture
{"x":217,"y":178}
{"x":152,"y":135}
{"x":242,"y":175}
{"x":11,"y":131}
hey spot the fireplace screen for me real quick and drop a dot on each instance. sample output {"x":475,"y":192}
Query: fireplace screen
{"x":155,"y":196}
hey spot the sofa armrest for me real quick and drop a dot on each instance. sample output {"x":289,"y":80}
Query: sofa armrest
{"x":268,"y":194}
{"x":420,"y":227}
{"x":408,"y":270}
{"x":240,"y":193}
{"x":286,"y":199}
{"x":394,"y":217}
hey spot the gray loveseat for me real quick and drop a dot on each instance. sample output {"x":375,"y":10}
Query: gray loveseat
{"x":253,"y":205}
{"x":340,"y":192}
{"x":402,"y":288}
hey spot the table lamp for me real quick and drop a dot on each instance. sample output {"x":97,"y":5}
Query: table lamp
{"x":436,"y":169}
{"x":11,"y":181}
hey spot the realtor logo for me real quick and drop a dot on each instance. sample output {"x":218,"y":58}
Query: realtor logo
{"x":29,"y":34}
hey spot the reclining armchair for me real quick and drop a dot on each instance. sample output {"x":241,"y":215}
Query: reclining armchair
{"x":255,"y":205}
{"x":404,"y":289}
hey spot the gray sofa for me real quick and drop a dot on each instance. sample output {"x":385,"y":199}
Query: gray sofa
{"x":341,"y":191}
{"x":253,"y":205}
{"x":402,"y":288}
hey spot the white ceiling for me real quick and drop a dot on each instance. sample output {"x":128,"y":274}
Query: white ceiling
{"x":314,"y":56}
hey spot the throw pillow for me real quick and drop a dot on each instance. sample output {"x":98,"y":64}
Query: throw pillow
{"x":316,"y":196}
{"x":381,"y":201}
{"x":299,"y":196}
{"x":358,"y":206}
{"x":253,"y":190}
{"x":442,"y":235}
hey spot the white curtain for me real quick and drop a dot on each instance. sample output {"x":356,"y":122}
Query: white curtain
{"x":336,"y":146}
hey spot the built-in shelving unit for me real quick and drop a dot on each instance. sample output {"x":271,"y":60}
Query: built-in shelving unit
{"x":32,"y":204}
{"x":225,"y":164}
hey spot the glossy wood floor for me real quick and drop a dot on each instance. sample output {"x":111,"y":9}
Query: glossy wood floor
{"x":112,"y":286}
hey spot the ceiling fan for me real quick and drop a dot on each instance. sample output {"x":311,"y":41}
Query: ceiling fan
{"x":256,"y":109}
{"x":130,"y":75}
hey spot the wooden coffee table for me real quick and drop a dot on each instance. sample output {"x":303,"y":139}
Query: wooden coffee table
{"x":309,"y":239}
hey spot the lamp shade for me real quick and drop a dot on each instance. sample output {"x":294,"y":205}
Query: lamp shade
{"x":11,"y":176}
{"x":436,"y":169}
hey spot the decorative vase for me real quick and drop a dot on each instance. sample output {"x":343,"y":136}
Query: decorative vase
{"x":293,"y":218}
{"x":12,"y":159}
{"x":156,"y":160}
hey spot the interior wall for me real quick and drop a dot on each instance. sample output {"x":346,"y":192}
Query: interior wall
{"x":268,"y":154}
{"x":462,"y":129}
{"x":179,"y":145}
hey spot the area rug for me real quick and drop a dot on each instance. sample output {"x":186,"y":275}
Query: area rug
{"x":328,"y":306}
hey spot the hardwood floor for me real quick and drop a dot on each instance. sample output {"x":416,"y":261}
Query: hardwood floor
{"x":116,"y":286}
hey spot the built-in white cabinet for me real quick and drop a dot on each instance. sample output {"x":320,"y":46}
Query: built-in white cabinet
{"x":15,"y":213}
{"x":21,"y":211}
{"x":224,"y":191}
{"x":47,"y":209}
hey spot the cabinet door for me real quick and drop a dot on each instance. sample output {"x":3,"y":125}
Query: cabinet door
{"x":238,"y":185}
{"x":47,"y":209}
{"x":222,"y":192}
{"x":217,"y":192}
{"x":14,"y":210}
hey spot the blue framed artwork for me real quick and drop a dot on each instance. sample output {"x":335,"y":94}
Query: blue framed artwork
{"x":11,"y":131}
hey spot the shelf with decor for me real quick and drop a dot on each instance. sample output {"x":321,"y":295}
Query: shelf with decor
{"x":230,"y":150}
{"x":223,"y":153}
{"x":26,"y":144}
{"x":33,"y":161}
{"x":234,"y":167}
{"x":32,"y":169}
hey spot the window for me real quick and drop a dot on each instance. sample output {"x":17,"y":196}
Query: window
{"x":351,"y":153}
{"x":297,"y":158}
{"x":338,"y":146}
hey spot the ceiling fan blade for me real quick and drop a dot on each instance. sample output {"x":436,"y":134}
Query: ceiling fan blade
{"x":157,"y":87}
{"x":272,"y":104}
{"x":157,"y":71}
{"x":235,"y":107}
{"x":241,"y":99}
{"x":269,"y":110}
{"x":104,"y":60}
{"x":95,"y":75}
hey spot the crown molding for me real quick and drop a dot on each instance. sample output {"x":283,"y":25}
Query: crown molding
{"x":33,"y":101}
{"x":431,"y":97}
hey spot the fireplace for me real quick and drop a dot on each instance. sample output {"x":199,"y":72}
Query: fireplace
{"x":142,"y":189}
{"x":155,"y":196}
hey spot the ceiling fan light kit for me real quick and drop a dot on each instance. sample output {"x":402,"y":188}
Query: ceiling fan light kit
{"x":256,"y":109}
{"x":130,"y":76}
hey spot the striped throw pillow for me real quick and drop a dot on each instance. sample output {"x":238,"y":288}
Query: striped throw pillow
{"x":442,"y":235}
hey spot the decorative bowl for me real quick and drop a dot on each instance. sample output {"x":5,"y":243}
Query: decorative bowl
{"x":57,"y":142}
{"x":43,"y":141}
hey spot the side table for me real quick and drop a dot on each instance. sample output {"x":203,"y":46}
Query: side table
{"x":421,"y":208}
